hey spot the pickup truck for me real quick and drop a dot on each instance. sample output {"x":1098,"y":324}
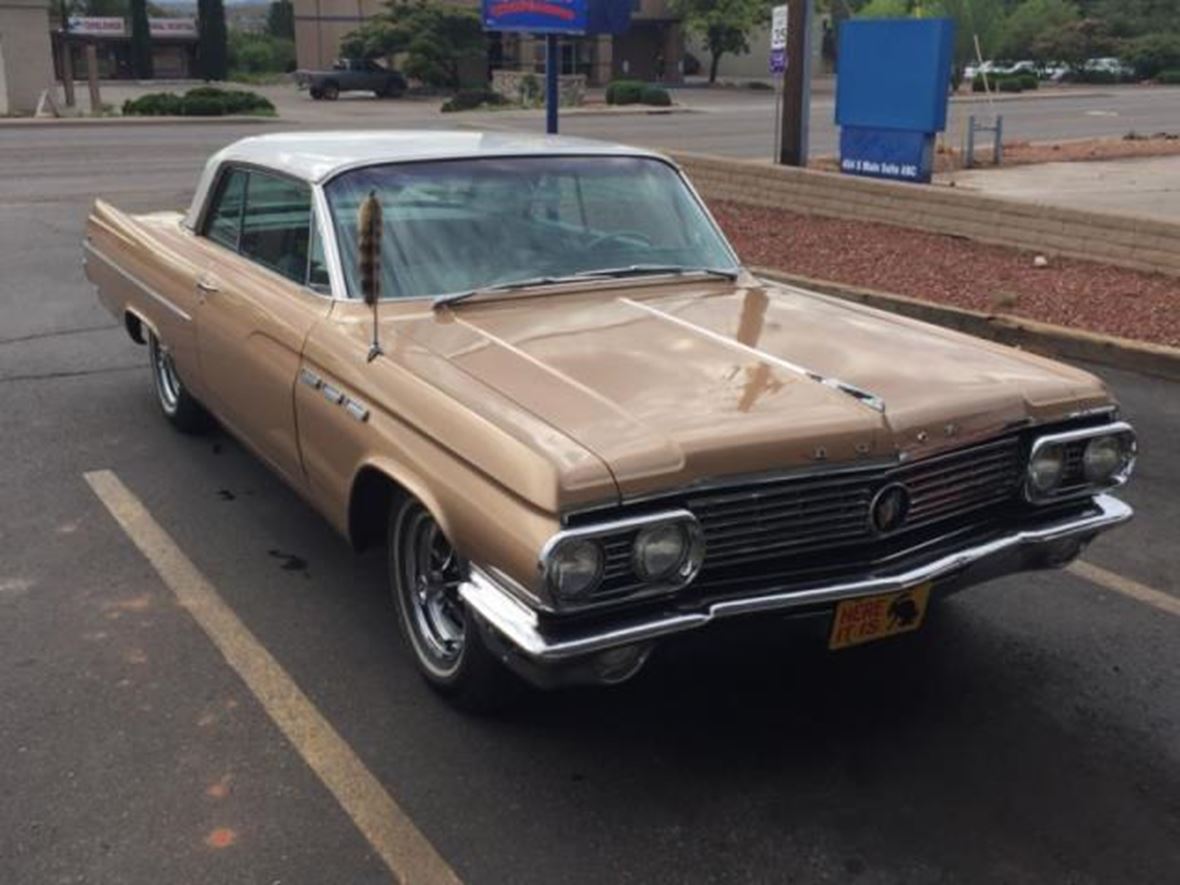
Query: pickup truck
{"x":351,"y":74}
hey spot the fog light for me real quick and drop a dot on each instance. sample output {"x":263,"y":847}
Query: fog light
{"x":1105,"y":457}
{"x":1046,"y":469}
{"x":620,"y":664}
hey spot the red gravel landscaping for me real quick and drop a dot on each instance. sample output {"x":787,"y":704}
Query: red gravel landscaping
{"x":950,"y":270}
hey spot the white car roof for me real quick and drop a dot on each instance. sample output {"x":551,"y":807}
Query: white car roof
{"x":317,"y":156}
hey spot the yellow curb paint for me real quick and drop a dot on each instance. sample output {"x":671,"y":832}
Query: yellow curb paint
{"x":1133,"y":589}
{"x":406,"y":852}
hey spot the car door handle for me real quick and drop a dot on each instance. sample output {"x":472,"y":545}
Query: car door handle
{"x":205,"y":284}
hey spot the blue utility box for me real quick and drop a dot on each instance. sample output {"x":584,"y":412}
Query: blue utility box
{"x":891,"y":95}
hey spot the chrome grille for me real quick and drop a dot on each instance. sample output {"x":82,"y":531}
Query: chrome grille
{"x":795,"y":516}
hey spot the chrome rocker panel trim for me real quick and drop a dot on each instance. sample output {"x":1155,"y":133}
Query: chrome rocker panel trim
{"x":516,"y":622}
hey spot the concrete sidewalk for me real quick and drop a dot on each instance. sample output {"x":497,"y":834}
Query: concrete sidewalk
{"x":1146,"y":188}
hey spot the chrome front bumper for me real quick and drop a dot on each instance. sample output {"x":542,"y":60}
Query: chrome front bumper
{"x":1021,"y":550}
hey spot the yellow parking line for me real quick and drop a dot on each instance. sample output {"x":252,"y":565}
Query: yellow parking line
{"x":403,"y":848}
{"x":1116,"y":582}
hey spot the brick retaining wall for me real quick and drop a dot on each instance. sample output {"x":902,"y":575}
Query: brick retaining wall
{"x":1138,"y":243}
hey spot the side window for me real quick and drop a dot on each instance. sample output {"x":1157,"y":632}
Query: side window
{"x":276,"y":226}
{"x":225,"y":218}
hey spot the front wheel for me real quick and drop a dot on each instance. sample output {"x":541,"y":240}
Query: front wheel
{"x":178,"y":405}
{"x":425,"y":573}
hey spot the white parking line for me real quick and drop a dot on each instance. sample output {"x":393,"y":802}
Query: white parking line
{"x":403,"y":848}
{"x":1133,"y":589}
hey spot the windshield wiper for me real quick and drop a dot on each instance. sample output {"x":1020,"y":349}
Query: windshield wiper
{"x":631,"y":270}
{"x":455,"y":297}
{"x":638,"y":270}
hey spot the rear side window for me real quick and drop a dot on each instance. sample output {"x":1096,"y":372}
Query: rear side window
{"x":276,"y":226}
{"x":225,"y":218}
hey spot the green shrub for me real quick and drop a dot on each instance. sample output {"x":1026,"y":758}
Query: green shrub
{"x":469,"y":99}
{"x":154,"y":104}
{"x":978,"y":84}
{"x":1009,"y":84}
{"x":759,"y":86}
{"x":656,"y":95}
{"x":1152,"y":53}
{"x":1029,"y":82}
{"x":1102,"y":78}
{"x":202,"y":106}
{"x":1169,"y":78}
{"x":203,"y":101}
{"x":624,"y":92}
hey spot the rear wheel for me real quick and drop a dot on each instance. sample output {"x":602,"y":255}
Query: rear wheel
{"x":315,"y":93}
{"x":425,"y":574}
{"x":178,"y":405}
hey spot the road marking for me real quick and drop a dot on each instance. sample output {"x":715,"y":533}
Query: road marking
{"x":1116,"y":582}
{"x":403,"y":848}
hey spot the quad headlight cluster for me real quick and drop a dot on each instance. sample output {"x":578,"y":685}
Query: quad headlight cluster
{"x":663,"y":553}
{"x":1080,"y":462}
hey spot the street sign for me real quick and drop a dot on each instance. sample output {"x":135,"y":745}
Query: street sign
{"x":778,"y":39}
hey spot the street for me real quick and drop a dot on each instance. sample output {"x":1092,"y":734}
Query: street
{"x":1029,"y":733}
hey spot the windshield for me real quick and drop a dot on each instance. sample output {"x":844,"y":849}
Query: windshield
{"x":458,"y":225}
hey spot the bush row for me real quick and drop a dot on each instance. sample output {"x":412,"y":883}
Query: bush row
{"x":1169,"y":78}
{"x":203,"y":101}
{"x":469,"y":99}
{"x":1006,"y":82}
{"x":636,"y":92}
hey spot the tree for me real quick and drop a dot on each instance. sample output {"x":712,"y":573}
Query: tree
{"x":439,"y":41}
{"x":141,"y":41}
{"x":723,"y":25}
{"x":280,"y":19}
{"x":1076,"y":43}
{"x":1029,"y":21}
{"x":212,"y":55}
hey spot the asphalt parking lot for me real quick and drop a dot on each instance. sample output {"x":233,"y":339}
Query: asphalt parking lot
{"x":1031,"y":733}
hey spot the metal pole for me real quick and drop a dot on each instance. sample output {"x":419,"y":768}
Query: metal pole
{"x":92,"y":77}
{"x":796,"y":85}
{"x":551,"y":97}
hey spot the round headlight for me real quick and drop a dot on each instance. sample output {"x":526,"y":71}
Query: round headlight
{"x":575,"y":567}
{"x":1045,"y":469}
{"x":1104,"y":457}
{"x":660,"y":551}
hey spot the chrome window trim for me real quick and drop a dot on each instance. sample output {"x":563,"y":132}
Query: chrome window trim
{"x":1088,"y":490}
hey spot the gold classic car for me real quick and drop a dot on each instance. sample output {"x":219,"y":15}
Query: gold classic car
{"x":534,"y":371}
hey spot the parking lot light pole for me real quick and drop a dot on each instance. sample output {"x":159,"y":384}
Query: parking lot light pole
{"x":551,"y":97}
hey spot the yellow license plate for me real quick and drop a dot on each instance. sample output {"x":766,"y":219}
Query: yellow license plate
{"x":869,"y":618}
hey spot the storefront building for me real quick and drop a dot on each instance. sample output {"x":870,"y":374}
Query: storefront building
{"x":174,"y":47}
{"x":25,"y":71}
{"x":652,"y":50}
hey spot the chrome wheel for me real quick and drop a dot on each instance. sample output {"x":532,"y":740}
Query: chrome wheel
{"x":431,"y":574}
{"x":168,"y":387}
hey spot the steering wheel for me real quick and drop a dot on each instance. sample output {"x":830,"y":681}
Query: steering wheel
{"x":620,"y":236}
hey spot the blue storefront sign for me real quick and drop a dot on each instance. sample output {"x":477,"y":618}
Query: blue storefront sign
{"x":891,"y":95}
{"x":536,"y":16}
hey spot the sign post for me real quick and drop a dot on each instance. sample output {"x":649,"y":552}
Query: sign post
{"x":796,"y":114}
{"x":778,"y":64}
{"x":553,"y":19}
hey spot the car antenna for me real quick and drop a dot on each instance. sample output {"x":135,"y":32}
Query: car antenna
{"x":369,"y":229}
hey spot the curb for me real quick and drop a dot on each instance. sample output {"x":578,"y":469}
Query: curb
{"x":1158,"y":360}
{"x":35,"y":122}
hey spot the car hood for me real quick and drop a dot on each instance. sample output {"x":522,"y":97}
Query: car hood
{"x":673,"y":384}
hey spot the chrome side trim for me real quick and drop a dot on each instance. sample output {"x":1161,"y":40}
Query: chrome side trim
{"x":871,"y":400}
{"x":521,"y":625}
{"x":137,"y":282}
{"x":310,"y":378}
